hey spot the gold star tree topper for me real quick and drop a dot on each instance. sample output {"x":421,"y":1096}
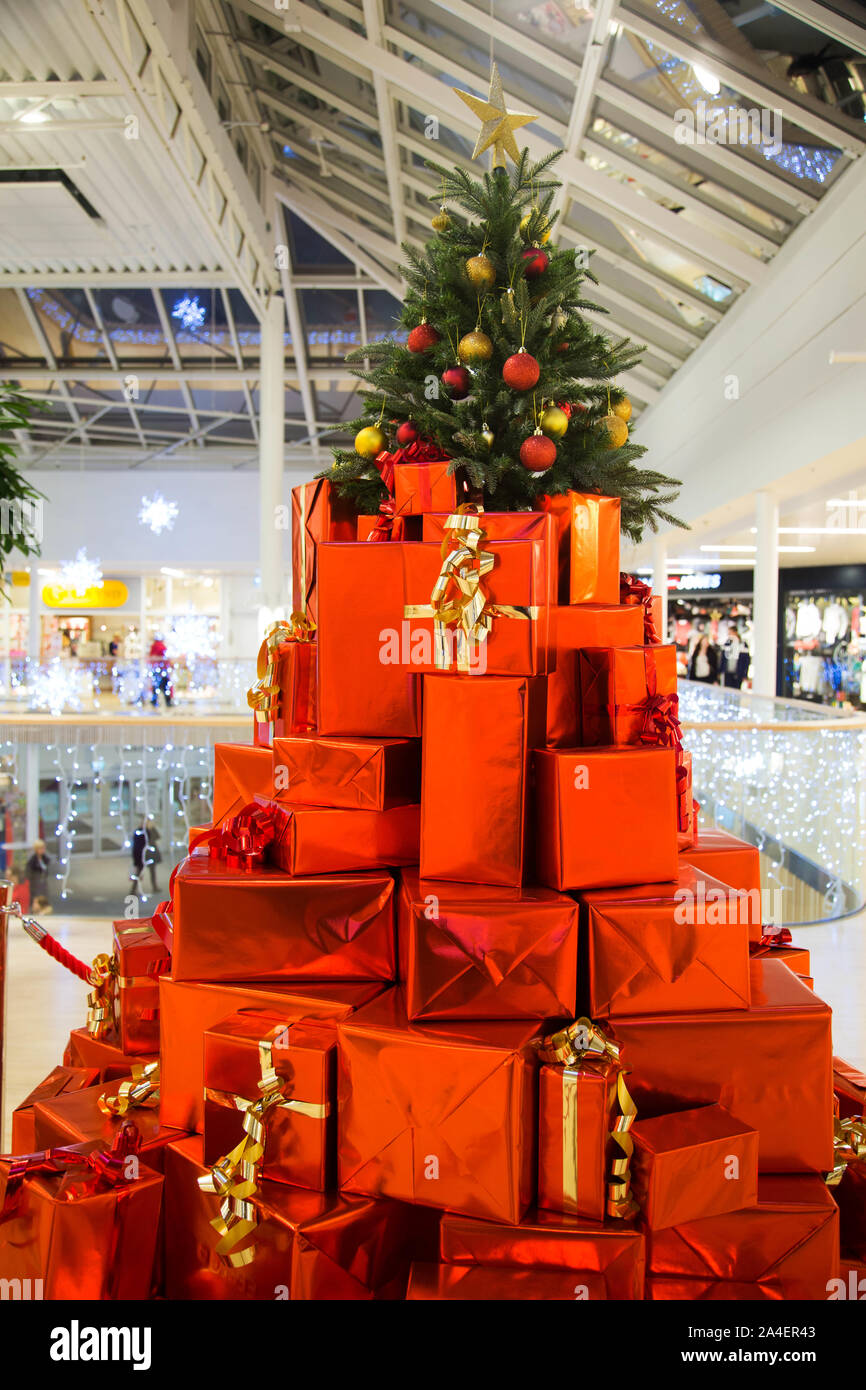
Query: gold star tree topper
{"x":498,"y":125}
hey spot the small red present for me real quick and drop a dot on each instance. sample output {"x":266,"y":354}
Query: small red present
{"x":98,"y":1114}
{"x":60,"y":1081}
{"x":358,"y":774}
{"x":574,"y":626}
{"x":588,"y":526}
{"x":270,"y":1098}
{"x":141,"y":957}
{"x":240,"y":772}
{"x":328,"y":840}
{"x":318,"y":515}
{"x":284,"y":698}
{"x":629,"y":695}
{"x":692,"y":1164}
{"x":423,"y":486}
{"x":113,"y":1064}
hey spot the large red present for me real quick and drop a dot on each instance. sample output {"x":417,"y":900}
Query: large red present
{"x":475,"y":951}
{"x":284,"y":696}
{"x":508,"y":526}
{"x":731,"y":861}
{"x":574,"y":626}
{"x":322,"y":927}
{"x":788,"y":1241}
{"x":317,"y":515}
{"x":240,"y":772}
{"x":483,"y":730}
{"x":326,"y":839}
{"x":60,"y":1081}
{"x":770,"y":1065}
{"x":605,"y":816}
{"x":438,"y":1114}
{"x":665,"y":948}
{"x":141,"y":957}
{"x":189,"y":1008}
{"x":358,"y":774}
{"x":693,"y":1164}
{"x":492,"y":1284}
{"x":271,"y":1084}
{"x":310,"y":1246}
{"x":81,"y":1223}
{"x":98,"y":1114}
{"x":628,"y":694}
{"x":588,"y":527}
{"x":550,"y":1240}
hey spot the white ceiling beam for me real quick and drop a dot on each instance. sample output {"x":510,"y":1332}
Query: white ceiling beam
{"x":523,"y":44}
{"x":374,"y":25}
{"x":615,"y":328}
{"x":59,"y":90}
{"x":117,"y":279}
{"x":677,"y":331}
{"x":596,"y":48}
{"x":330,"y":223}
{"x":266,"y":60}
{"x":300,"y":347}
{"x":670,"y":291}
{"x":74,"y":129}
{"x":239,"y":359}
{"x":637,"y":387}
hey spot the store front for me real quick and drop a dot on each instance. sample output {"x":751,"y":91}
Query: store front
{"x":716,"y":606}
{"x":822,"y":635}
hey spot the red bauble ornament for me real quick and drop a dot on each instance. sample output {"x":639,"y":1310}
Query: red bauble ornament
{"x":563,"y":347}
{"x":535,"y":262}
{"x":537,"y":452}
{"x":457,"y":382}
{"x":521,"y":371}
{"x":407,"y":433}
{"x":422,"y":337}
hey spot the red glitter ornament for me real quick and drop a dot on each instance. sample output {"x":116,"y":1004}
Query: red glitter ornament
{"x":407,"y":433}
{"x":521,"y":371}
{"x":457,"y":382}
{"x":537,"y":452}
{"x":535,"y":262}
{"x":422,"y":337}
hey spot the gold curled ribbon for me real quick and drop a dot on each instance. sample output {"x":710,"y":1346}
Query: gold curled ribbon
{"x":572,"y":1048}
{"x":264,"y":697}
{"x":140,"y":1092}
{"x":102,"y":999}
{"x":235,"y":1176}
{"x":849,"y":1146}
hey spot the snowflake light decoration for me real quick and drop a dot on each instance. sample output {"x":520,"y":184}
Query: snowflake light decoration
{"x":55,"y":687}
{"x":158,"y":513}
{"x":189,"y":312}
{"x":82,"y":573}
{"x":191,"y":635}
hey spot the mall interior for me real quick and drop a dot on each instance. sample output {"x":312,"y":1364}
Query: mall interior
{"x":206,"y":204}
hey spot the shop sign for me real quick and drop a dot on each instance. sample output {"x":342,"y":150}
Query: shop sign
{"x":690,"y":582}
{"x":111,"y":593}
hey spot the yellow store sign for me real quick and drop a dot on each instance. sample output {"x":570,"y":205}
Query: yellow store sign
{"x":112,"y":593}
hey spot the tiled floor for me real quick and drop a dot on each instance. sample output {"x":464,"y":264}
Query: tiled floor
{"x":45,"y":1001}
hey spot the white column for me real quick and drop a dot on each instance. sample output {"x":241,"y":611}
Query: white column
{"x":34,"y":616}
{"x":271,"y":450}
{"x":660,"y":579}
{"x":766,"y":622}
{"x":31,"y":795}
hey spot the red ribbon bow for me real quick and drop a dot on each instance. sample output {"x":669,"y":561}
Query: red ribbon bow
{"x":634,"y":591}
{"x":772,"y":935}
{"x":420,"y":451}
{"x":243,"y":841}
{"x":107,"y":1164}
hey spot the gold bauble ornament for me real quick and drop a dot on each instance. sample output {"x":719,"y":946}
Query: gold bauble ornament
{"x":622,"y":409}
{"x":554,"y":422}
{"x":475,"y":347}
{"x":481,"y":271}
{"x":487,"y":435}
{"x":369,"y":441}
{"x":441,"y":222}
{"x":615,"y":429}
{"x":541,"y":235}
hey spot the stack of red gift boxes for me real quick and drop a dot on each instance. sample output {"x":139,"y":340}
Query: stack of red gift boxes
{"x":454,"y":1000}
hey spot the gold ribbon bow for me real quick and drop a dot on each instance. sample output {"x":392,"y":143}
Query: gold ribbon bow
{"x":101,"y":1000}
{"x":140,"y":1092}
{"x":235,"y":1176}
{"x":264,"y":697}
{"x":849,"y":1146}
{"x":571,"y":1048}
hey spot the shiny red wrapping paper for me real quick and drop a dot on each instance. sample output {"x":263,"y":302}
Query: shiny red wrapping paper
{"x":300,"y":1131}
{"x":297,"y":702}
{"x":577,"y":1109}
{"x":549,"y":1240}
{"x":424,"y":487}
{"x":317,"y":516}
{"x":652,"y":950}
{"x":106,"y":1056}
{"x":357,"y":774}
{"x":849,"y":1087}
{"x":86,"y":1240}
{"x":240,"y":772}
{"x":141,"y":959}
{"x":267,"y":925}
{"x":660,"y":1289}
{"x":324,"y":839}
{"x":77,"y":1119}
{"x":401,"y":528}
{"x":188,"y":1009}
{"x":588,"y":530}
{"x":483,"y":730}
{"x":574,"y":626}
{"x":438,"y":1114}
{"x":308,"y":1245}
{"x":734,"y":862}
{"x":787,"y":1243}
{"x":770,"y":1065}
{"x":605,"y":816}
{"x":510,"y":526}
{"x":494,"y":1284}
{"x":614,"y":685}
{"x":476,"y":952}
{"x":61,"y":1081}
{"x":797,"y":958}
{"x":686,"y":812}
{"x":850,"y":1197}
{"x":693,"y":1164}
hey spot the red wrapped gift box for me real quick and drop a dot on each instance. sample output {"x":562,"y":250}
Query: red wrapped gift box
{"x":299,"y":1128}
{"x":188,"y":1009}
{"x":693,"y":1164}
{"x":60,"y":1081}
{"x":477,"y":952}
{"x":734,"y":862}
{"x":309,"y":1246}
{"x":357,"y":774}
{"x":402,"y":528}
{"x":849,"y":1086}
{"x":797,"y":958}
{"x":438,"y":1114}
{"x":509,"y":526}
{"x":324,"y":840}
{"x":549,"y":1240}
{"x":106,"y":1056}
{"x":619,"y":690}
{"x":788,"y":1241}
{"x":75,"y":1227}
{"x":141,"y":958}
{"x":686,"y":805}
{"x":495,"y":1284}
{"x":588,"y":529}
{"x":317,"y":515}
{"x":483,"y":730}
{"x":78,"y":1119}
{"x":572,"y":627}
{"x":240,"y":772}
{"x":424,"y":487}
{"x":770,"y":1065}
{"x":324,"y":927}
{"x":285,"y":695}
{"x":605,"y":816}
{"x":670,"y":948}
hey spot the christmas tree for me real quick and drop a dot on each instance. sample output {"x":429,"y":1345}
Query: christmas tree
{"x":501,"y":370}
